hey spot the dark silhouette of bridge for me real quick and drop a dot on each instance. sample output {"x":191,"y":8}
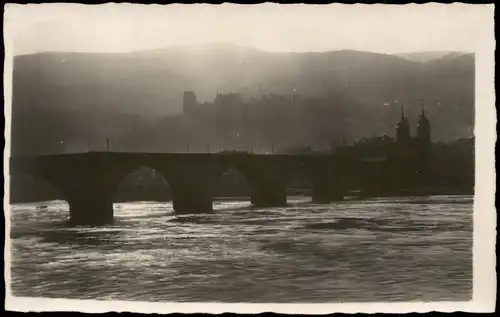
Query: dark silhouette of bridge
{"x":88,"y":181}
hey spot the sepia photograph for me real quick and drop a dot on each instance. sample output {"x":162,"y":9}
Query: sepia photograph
{"x":231,"y":158}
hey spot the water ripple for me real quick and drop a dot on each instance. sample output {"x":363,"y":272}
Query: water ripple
{"x":397,"y":249}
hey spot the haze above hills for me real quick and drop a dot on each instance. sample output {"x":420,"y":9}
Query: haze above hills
{"x":60,"y":94}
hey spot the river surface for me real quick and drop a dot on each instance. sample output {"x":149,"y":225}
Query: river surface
{"x":394,"y":249}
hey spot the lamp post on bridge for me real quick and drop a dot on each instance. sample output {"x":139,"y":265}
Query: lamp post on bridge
{"x":63,"y":146}
{"x":332,"y":146}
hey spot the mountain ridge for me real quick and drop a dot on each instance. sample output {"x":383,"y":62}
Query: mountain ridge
{"x":425,"y":54}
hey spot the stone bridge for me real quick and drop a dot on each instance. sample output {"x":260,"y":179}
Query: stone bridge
{"x":88,"y":181}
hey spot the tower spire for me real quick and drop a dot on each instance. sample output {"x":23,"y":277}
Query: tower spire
{"x":402,"y":111}
{"x":423,"y":110}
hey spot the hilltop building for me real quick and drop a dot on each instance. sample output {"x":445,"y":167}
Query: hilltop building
{"x":189,"y":102}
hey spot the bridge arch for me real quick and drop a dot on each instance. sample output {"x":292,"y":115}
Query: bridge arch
{"x":32,"y":188}
{"x":232,"y":183}
{"x":142,"y":183}
{"x":185,"y":184}
{"x":35,"y":181}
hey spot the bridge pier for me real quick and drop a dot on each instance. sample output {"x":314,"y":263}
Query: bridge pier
{"x":90,"y":199}
{"x":192,"y":203}
{"x":327,"y":184}
{"x":91,"y":208}
{"x":326,"y":194}
{"x":191,"y":189}
{"x":269,"y":195}
{"x":87,"y":185}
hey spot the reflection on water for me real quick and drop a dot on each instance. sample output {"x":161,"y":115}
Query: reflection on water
{"x":400,"y":249}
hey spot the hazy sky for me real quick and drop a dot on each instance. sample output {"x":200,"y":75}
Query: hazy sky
{"x":272,"y":27}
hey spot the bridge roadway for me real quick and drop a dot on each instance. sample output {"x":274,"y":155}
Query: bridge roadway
{"x":89,"y":180}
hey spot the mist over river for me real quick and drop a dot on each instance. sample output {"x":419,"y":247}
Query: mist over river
{"x":385,"y":249}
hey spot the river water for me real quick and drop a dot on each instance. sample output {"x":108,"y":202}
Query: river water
{"x":394,"y":249}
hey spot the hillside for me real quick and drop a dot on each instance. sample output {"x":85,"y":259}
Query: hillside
{"x":73,"y":95}
{"x":428,"y":56}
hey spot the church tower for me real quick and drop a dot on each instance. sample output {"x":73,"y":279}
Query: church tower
{"x":403,"y":128}
{"x":423,"y":129}
{"x":423,"y":149}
